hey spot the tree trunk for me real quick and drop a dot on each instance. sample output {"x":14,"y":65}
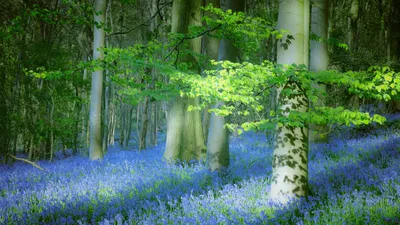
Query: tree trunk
{"x":128,"y":126}
{"x":96,"y":148}
{"x":52,"y":127}
{"x":218,"y":137}
{"x":155,"y":123}
{"x":352,"y":24}
{"x":290,"y":156}
{"x":185,"y":139}
{"x":184,"y":136}
{"x":106,"y":113}
{"x":211,"y":47}
{"x":319,"y":59}
{"x":143,"y":128}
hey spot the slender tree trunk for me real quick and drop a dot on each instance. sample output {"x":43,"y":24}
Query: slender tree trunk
{"x":123,"y":111}
{"x":155,"y":123}
{"x":143,"y":128}
{"x":353,"y":25}
{"x":185,"y":139}
{"x":319,"y":59}
{"x":111,"y":136}
{"x":96,"y":148}
{"x":128,"y":126}
{"x":30,"y":152}
{"x":106,"y":113}
{"x":52,"y":127}
{"x":218,"y":136}
{"x":211,"y":46}
{"x":290,"y":156}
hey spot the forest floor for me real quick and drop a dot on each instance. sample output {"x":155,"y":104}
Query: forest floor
{"x":354,"y":179}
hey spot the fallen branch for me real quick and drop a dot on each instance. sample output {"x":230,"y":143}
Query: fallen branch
{"x":27,"y":161}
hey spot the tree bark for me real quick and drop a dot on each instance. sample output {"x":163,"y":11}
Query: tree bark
{"x":95,"y":148}
{"x":185,"y":139}
{"x":290,"y":156}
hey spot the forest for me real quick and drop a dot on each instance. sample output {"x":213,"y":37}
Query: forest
{"x":199,"y":112}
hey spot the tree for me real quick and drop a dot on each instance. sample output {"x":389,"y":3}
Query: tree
{"x":319,"y":59}
{"x":290,"y":156}
{"x":218,"y":136}
{"x":211,"y":47}
{"x":95,"y":148}
{"x":185,"y":139}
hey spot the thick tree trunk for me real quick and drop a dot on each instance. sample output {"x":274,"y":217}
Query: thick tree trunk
{"x":95,"y":148}
{"x":184,"y":136}
{"x":319,"y":59}
{"x":290,"y":156}
{"x":185,"y":139}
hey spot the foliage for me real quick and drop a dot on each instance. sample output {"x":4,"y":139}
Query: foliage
{"x":246,"y":83}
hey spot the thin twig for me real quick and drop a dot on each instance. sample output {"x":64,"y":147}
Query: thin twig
{"x":143,"y":23}
{"x":188,"y":38}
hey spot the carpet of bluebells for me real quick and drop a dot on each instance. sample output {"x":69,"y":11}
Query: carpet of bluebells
{"x":353,"y":180}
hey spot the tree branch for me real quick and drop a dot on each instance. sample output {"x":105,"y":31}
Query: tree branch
{"x":188,"y":38}
{"x":144,"y":22}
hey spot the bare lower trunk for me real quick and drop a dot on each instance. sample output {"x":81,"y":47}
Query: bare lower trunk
{"x":184,"y":137}
{"x":218,"y":143}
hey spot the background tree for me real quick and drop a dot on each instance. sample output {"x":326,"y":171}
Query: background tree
{"x":96,"y":148}
{"x":218,"y":136}
{"x":319,"y":59}
{"x":211,"y":49}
